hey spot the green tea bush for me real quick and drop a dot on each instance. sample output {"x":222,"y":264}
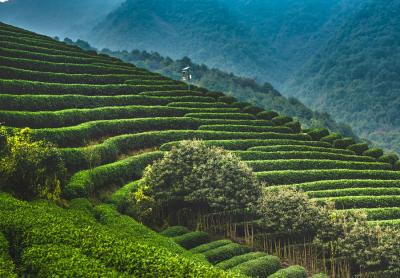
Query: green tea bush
{"x":211,"y":245}
{"x":234,"y":122}
{"x":320,"y":275}
{"x":377,"y":213}
{"x":291,"y":212}
{"x":247,"y":128}
{"x":283,"y":148}
{"x":244,"y":144}
{"x":331,"y":138}
{"x":234,"y":261}
{"x":354,"y":192}
{"x":174,"y":231}
{"x":39,"y":225}
{"x":227,"y":116}
{"x":374,"y":152}
{"x":346,"y":183}
{"x":389,"y":158}
{"x":358,"y":148}
{"x":292,"y":177}
{"x":295,"y":126}
{"x":202,"y":178}
{"x":81,"y":134}
{"x":22,"y":87}
{"x":199,"y":105}
{"x":294,"y":271}
{"x":343,"y":143}
{"x":30,"y":169}
{"x":192,"y":239}
{"x":225,"y":252}
{"x":181,"y":92}
{"x":267,"y":115}
{"x":260,"y":267}
{"x":252,"y":155}
{"x":62,"y":261}
{"x":86,"y":183}
{"x":45,"y":66}
{"x":348,"y":202}
{"x":7,"y":268}
{"x":252,"y":109}
{"x":318,"y":133}
{"x":281,"y":120}
{"x":310,"y":164}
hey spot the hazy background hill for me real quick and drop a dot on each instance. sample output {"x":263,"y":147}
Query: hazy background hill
{"x":71,"y":18}
{"x":340,"y":56}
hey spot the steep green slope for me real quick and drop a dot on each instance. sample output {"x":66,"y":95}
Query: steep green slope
{"x":111,"y":119}
{"x":356,"y":76}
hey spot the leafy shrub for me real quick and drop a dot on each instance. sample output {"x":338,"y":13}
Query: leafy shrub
{"x":40,"y":225}
{"x":292,"y":177}
{"x":86,"y":183}
{"x":389,"y":158}
{"x":267,"y":115}
{"x":202,"y":177}
{"x":252,"y":109}
{"x":260,"y":267}
{"x":283,"y":148}
{"x":318,"y":133}
{"x":253,"y":155}
{"x":225,"y":252}
{"x":331,"y":138}
{"x":348,"y":202}
{"x":29,"y":168}
{"x":281,"y":120}
{"x":247,"y":128}
{"x":211,"y":245}
{"x":227,"y":116}
{"x":310,"y":164}
{"x":358,"y":148}
{"x":344,"y":184}
{"x":234,"y":261}
{"x":192,"y":239}
{"x":294,"y":125}
{"x":294,"y":271}
{"x":320,"y":275}
{"x":198,"y":104}
{"x":290,"y":211}
{"x":343,"y":143}
{"x":174,"y":231}
{"x":374,"y":152}
{"x":7,"y":268}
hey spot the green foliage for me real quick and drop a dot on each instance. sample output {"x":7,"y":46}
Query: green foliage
{"x":227,"y":99}
{"x":227,"y":116}
{"x":310,"y":164}
{"x":7,"y":268}
{"x":294,"y":125}
{"x":30,"y":169}
{"x":174,"y":231}
{"x":209,"y":178}
{"x":252,"y":109}
{"x":248,"y":128}
{"x":211,"y":245}
{"x":88,"y":182}
{"x":294,"y":271}
{"x":320,"y":275}
{"x":236,"y":260}
{"x":331,"y":138}
{"x":292,"y":177}
{"x":259,"y":267}
{"x":358,"y":148}
{"x":374,"y":152}
{"x":299,"y":148}
{"x":267,"y":115}
{"x":240,"y":105}
{"x":225,"y":252}
{"x":288,"y":211}
{"x":318,"y":133}
{"x":281,"y":120}
{"x":192,"y":239}
{"x":36,"y":230}
{"x":344,"y":184}
{"x":389,"y":158}
{"x":343,"y":143}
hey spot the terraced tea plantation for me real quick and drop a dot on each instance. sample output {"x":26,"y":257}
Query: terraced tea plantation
{"x":111,"y":119}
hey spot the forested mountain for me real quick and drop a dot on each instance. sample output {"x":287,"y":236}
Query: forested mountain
{"x":264,"y":39}
{"x":56,"y":17}
{"x":356,"y":76}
